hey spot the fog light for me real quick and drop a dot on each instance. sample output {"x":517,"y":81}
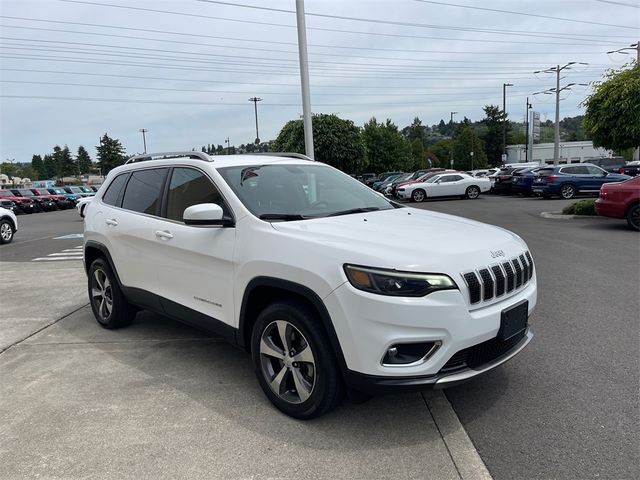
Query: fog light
{"x":403,"y":354}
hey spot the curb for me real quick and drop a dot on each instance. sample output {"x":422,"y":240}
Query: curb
{"x":561,"y":216}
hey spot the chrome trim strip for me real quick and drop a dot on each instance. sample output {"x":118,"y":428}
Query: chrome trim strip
{"x":436,"y":345}
{"x":470,"y":373}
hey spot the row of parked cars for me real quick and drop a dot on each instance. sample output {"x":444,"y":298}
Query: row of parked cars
{"x":33,"y":200}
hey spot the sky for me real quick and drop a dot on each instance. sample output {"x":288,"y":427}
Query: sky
{"x":72,"y":70}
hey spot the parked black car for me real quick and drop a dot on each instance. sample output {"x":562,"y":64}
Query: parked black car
{"x":632,"y":169}
{"x":10,"y":205}
{"x":610,"y":164}
{"x":504,"y":179}
{"x":45,"y":204}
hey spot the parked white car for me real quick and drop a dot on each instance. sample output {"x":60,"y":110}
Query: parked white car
{"x":445,"y":185}
{"x":8,"y":225}
{"x":327,"y":284}
{"x":82,"y":205}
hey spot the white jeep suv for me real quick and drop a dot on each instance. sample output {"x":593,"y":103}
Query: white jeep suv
{"x":331,"y":287}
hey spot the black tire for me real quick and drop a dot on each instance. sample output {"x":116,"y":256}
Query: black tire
{"x":82,"y":211}
{"x":567,"y":191}
{"x":323,"y":388}
{"x":472,"y":192}
{"x":418,"y":195}
{"x":633,"y":217}
{"x":121,"y":313}
{"x":6,"y":231}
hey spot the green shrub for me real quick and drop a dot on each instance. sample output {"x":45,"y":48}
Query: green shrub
{"x":581,"y":207}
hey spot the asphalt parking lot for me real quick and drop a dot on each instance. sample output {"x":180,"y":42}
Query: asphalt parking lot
{"x":162,"y":400}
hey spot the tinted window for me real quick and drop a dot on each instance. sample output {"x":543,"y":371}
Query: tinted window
{"x":112,"y":194}
{"x":190,"y":187}
{"x":143,"y":191}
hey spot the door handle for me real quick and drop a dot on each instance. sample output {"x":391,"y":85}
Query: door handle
{"x":111,"y":222}
{"x":164,"y":234}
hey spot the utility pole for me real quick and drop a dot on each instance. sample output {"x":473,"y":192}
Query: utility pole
{"x":255,"y":101}
{"x":504,"y":112}
{"x":557,"y":69}
{"x":228,"y":145}
{"x":526,"y":131}
{"x":304,"y":78}
{"x":451,"y":145}
{"x":144,"y":138}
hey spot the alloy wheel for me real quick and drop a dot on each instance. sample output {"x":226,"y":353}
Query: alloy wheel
{"x":567,"y":191}
{"x":634,"y":217}
{"x":101,"y":294}
{"x":287,"y":362}
{"x":6,"y":232}
{"x":418,"y":196}
{"x":473,"y":192}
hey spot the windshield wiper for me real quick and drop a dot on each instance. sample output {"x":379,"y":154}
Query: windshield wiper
{"x":353,"y":210}
{"x":282,"y":216}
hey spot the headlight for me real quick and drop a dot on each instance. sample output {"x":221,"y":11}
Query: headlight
{"x":395,"y":283}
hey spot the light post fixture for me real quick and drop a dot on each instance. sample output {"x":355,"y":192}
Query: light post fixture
{"x":144,"y":138}
{"x":471,"y":154}
{"x":557,"y":69}
{"x":255,"y":101}
{"x":451,"y":143}
{"x":228,"y":145}
{"x":633,"y":46}
{"x":526,"y":130}
{"x":504,"y":112}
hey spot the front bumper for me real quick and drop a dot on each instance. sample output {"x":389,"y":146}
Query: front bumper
{"x":378,"y":384}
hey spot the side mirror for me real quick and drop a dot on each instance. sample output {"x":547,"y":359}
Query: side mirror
{"x":206,"y":214}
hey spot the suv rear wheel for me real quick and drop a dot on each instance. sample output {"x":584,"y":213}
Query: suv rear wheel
{"x":107,"y":301}
{"x":567,"y":191}
{"x":294,"y":361}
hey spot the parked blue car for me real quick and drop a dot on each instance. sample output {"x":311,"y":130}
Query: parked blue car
{"x":568,"y":180}
{"x":522,"y":181}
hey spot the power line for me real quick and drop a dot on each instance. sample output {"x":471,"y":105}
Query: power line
{"x":208,"y":81}
{"x":381,"y":34}
{"x":272,"y":50}
{"x":350,"y":64}
{"x":622,"y":4}
{"x":392,"y":22}
{"x":510,"y":12}
{"x":255,"y":22}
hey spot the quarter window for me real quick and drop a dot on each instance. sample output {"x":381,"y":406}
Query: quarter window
{"x":190,"y":187}
{"x":112,"y":194}
{"x":143,"y":191}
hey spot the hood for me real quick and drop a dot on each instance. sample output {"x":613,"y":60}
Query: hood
{"x":408,"y":238}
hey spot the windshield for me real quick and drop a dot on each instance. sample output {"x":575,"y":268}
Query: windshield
{"x":59,"y":191}
{"x":86,"y":189}
{"x":432,"y":179}
{"x":76,"y":190}
{"x":26,"y":193}
{"x":298,"y":192}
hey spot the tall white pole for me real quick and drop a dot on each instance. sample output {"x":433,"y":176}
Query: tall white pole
{"x":304,"y":78}
{"x":556,"y":136}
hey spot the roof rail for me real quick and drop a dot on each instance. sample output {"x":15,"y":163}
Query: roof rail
{"x":284,"y":154}
{"x":163,"y":155}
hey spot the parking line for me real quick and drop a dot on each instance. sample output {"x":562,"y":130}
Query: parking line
{"x":44,"y":259}
{"x":65,"y":254}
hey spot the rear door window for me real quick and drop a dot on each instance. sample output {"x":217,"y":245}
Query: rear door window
{"x":112,"y":195}
{"x":144,"y":190}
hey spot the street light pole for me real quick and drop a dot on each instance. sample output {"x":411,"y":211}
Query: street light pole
{"x":304,"y":78}
{"x":144,"y":138}
{"x":526,"y":131}
{"x":504,"y":112}
{"x":255,"y":101}
{"x":228,"y":145}
{"x":451,"y":144}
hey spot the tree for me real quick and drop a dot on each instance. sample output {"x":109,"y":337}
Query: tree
{"x":83,"y":160}
{"x":612,"y":117}
{"x":465,"y":142}
{"x":64,"y":164}
{"x":386,"y":148}
{"x":494,"y":119}
{"x":337,"y":142}
{"x":38,"y":167}
{"x":50,"y":168}
{"x":440,"y":152}
{"x":111,"y":154}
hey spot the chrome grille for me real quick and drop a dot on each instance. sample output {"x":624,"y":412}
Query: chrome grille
{"x":496,"y":280}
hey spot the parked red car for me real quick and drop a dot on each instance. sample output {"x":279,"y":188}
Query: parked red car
{"x":621,"y":200}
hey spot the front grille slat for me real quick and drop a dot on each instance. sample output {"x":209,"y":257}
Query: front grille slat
{"x":500,"y":280}
{"x":518,"y":269}
{"x":496,"y":280}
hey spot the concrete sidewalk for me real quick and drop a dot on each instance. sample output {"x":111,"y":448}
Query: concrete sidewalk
{"x":161,"y":400}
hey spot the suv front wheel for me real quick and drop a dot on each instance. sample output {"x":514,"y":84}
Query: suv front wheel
{"x":109,"y":306}
{"x":294,"y":361}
